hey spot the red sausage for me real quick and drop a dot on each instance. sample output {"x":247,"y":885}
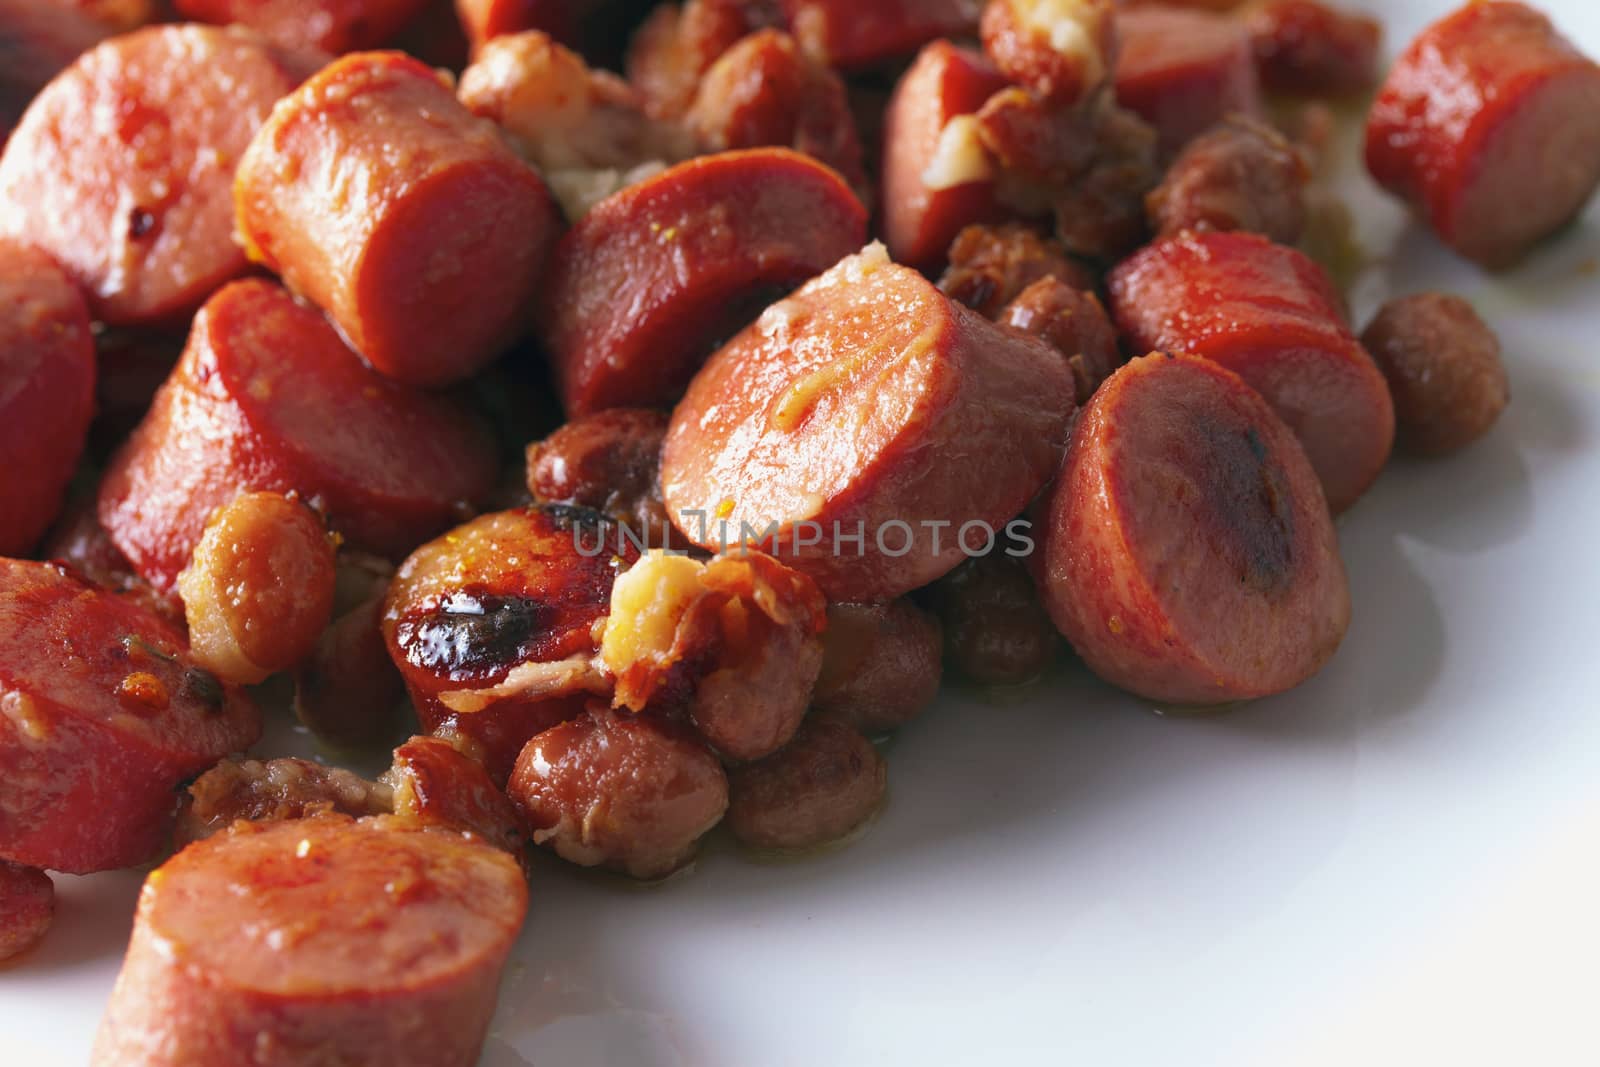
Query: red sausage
{"x":102,"y":714}
{"x":121,"y":167}
{"x":1188,"y":556}
{"x":653,"y":276}
{"x":47,"y":374}
{"x":678,"y":43}
{"x":851,"y":34}
{"x":867,"y":401}
{"x":1272,"y":316}
{"x":1307,"y":47}
{"x":1184,"y":70}
{"x":37,"y":42}
{"x":937,"y":179}
{"x":1473,"y":121}
{"x":333,"y":26}
{"x":381,"y":198}
{"x":27,"y":904}
{"x":266,"y":397}
{"x":324,"y":940}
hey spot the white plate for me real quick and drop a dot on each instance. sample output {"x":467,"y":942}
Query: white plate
{"x":1392,"y":865}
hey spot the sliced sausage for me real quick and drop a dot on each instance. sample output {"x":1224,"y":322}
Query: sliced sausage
{"x":678,"y":43}
{"x":1064,"y":50}
{"x":866,"y":405}
{"x":435,"y":784}
{"x":1184,"y":70}
{"x":332,"y":26}
{"x":765,"y":91}
{"x":267,"y":397}
{"x":121,"y":168}
{"x":102,"y":713}
{"x":817,"y":789}
{"x":630,"y":792}
{"x":348,"y":690}
{"x":273,"y":791}
{"x":1239,"y":175}
{"x":937,"y":176}
{"x":1311,"y":49}
{"x":880,"y":664}
{"x":996,"y":628}
{"x":27,"y":905}
{"x":1442,"y":363}
{"x":990,"y":266}
{"x":1188,"y":555}
{"x":259,"y":588}
{"x":493,"y":626}
{"x":610,"y":462}
{"x":1471,"y":120}
{"x":647,"y":283}
{"x":325,"y":940}
{"x":1272,"y":316}
{"x":1071,"y":321}
{"x":852,"y":34}
{"x":37,"y":42}
{"x":428,"y":268}
{"x":47,"y":378}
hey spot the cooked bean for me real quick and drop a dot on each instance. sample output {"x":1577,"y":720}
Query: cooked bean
{"x":611,"y":462}
{"x":816,"y":789}
{"x":1241,"y":175}
{"x":996,"y":629}
{"x":880,"y":664}
{"x":272,"y":791}
{"x":1075,"y":323}
{"x":990,"y":266}
{"x":348,"y":689}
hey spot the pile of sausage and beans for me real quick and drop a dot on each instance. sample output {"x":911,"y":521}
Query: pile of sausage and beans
{"x":634,"y":408}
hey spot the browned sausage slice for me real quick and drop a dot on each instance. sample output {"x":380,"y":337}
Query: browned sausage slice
{"x":27,"y":904}
{"x":381,"y":198}
{"x":325,"y":940}
{"x":102,"y":713}
{"x":121,"y":168}
{"x":267,"y":397}
{"x":868,"y":403}
{"x":653,"y":276}
{"x":1188,"y":555}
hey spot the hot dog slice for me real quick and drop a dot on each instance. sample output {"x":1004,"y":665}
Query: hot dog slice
{"x":37,"y":42}
{"x":326,"y":940}
{"x":850,"y":34}
{"x":653,"y":276}
{"x":102,"y":714}
{"x":267,"y":397}
{"x":47,"y":374}
{"x":1188,"y":556}
{"x":937,"y":177}
{"x":1489,"y":125}
{"x":382,"y":199}
{"x":27,"y":904}
{"x":1272,"y":316}
{"x":121,"y":168}
{"x":494,"y":624}
{"x":1311,"y":48}
{"x":1184,"y":70}
{"x":868,"y":402}
{"x":333,"y":26}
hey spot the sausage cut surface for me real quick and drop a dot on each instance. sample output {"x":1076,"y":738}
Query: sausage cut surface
{"x":1183,"y":70}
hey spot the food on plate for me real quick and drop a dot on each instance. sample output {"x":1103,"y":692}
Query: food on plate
{"x":1184,"y":70}
{"x":1064,"y":50}
{"x":27,"y":906}
{"x":1489,"y":126}
{"x":347,"y":691}
{"x":990,"y":266}
{"x":609,"y":462}
{"x":273,"y":791}
{"x":1074,"y":323}
{"x":1314,"y":49}
{"x":1442,"y":363}
{"x":818,"y":788}
{"x":996,"y":628}
{"x":880,"y":664}
{"x":326,"y":939}
{"x":38,"y":41}
{"x":333,"y":26}
{"x":1240,"y":175}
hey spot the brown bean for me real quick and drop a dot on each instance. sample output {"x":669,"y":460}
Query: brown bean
{"x":435,"y":783}
{"x":990,"y":266}
{"x":631,"y":792}
{"x":259,"y":588}
{"x":1241,"y":175}
{"x":996,"y":629}
{"x":1442,"y":363}
{"x":816,"y":789}
{"x":611,"y":462}
{"x":1074,"y":322}
{"x":880,"y":664}
{"x":348,"y":689}
{"x":271,"y":792}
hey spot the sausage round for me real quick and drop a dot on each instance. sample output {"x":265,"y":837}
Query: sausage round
{"x":121,"y":167}
{"x":1272,"y":316}
{"x":1184,"y":70}
{"x":937,"y":177}
{"x":381,"y":198}
{"x":1188,"y":555}
{"x":652,"y":277}
{"x":996,"y":628}
{"x":852,"y":34}
{"x":867,"y":402}
{"x":1442,"y":363}
{"x":267,"y":397}
{"x":1310,"y":48}
{"x":47,"y":377}
{"x":324,"y":940}
{"x":27,"y":905}
{"x":332,"y":26}
{"x":1470,"y":121}
{"x":818,"y":788}
{"x":630,"y":792}
{"x":514,"y":589}
{"x":881,"y":665}
{"x":102,"y":713}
